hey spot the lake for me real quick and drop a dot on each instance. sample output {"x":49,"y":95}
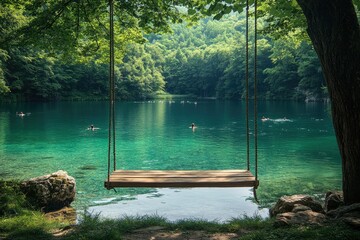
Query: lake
{"x":298,"y":154}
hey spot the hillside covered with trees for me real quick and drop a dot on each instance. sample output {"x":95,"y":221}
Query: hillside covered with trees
{"x":203,"y":60}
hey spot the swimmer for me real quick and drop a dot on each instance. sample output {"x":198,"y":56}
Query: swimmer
{"x":92,"y":128}
{"x":264,"y":119}
{"x":20,"y":114}
{"x":193,"y":126}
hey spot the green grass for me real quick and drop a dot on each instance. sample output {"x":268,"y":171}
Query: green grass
{"x":329,"y":232}
{"x":18,"y":220}
{"x":33,"y":225}
{"x":28,"y":225}
{"x":250,"y":228}
{"x":12,"y":201}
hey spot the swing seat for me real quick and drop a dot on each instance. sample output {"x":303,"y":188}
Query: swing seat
{"x":181,"y":178}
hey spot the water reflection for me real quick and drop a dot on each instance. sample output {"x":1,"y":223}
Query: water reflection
{"x":297,"y":156}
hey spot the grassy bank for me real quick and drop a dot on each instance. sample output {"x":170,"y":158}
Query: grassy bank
{"x":35,"y":226}
{"x":19,"y":221}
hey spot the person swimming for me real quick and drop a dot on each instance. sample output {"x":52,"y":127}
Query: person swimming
{"x":264,"y":119}
{"x":92,"y":128}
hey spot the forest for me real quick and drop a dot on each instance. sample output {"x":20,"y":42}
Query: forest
{"x":206,"y":60}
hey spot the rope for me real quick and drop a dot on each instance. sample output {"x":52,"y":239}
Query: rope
{"x":255,"y":93}
{"x":247,"y":88}
{"x":112,"y":56}
{"x":111,"y":140}
{"x":110,"y":107}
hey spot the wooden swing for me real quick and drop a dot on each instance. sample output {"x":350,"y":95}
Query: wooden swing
{"x":183,"y":178}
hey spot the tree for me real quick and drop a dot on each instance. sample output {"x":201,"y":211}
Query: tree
{"x":282,"y":76}
{"x":3,"y":58}
{"x":140,"y":77}
{"x":311,"y":85}
{"x":335,"y":33}
{"x":11,"y":18}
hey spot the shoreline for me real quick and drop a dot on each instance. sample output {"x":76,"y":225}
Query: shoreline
{"x":219,"y":204}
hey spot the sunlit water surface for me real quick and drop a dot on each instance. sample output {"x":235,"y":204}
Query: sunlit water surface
{"x":296,"y":155}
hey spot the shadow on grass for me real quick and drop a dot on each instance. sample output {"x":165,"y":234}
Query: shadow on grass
{"x":35,"y":226}
{"x":248,"y":228}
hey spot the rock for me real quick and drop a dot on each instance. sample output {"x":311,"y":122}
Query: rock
{"x":333,"y":200}
{"x":283,"y":219}
{"x":50,"y":192}
{"x":307,"y":217}
{"x":288,"y":203}
{"x":300,"y":208}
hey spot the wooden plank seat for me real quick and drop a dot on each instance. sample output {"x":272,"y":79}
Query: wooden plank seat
{"x":181,"y":178}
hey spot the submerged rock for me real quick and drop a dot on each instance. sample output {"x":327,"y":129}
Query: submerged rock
{"x":50,"y":192}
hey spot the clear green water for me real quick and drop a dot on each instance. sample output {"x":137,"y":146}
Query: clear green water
{"x":296,"y":156}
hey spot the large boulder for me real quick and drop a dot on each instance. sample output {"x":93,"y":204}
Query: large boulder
{"x":297,"y":202}
{"x":50,"y":192}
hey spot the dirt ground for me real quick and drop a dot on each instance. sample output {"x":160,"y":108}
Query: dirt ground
{"x":158,"y":233}
{"x":190,"y":235}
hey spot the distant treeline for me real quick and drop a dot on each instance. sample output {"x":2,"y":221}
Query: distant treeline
{"x":206,"y":60}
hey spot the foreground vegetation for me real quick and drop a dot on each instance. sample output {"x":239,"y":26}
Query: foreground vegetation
{"x":35,"y":226}
{"x":19,"y":221}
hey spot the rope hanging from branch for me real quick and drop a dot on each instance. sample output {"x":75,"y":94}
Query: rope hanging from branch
{"x":247,"y":86}
{"x":255,"y":93}
{"x":112,"y":142}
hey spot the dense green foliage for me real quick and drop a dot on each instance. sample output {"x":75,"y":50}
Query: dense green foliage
{"x":206,"y":60}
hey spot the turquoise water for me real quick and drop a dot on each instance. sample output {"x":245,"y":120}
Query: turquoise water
{"x":296,"y":155}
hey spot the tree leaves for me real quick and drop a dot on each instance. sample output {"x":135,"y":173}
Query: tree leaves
{"x":191,"y":11}
{"x":208,"y":61}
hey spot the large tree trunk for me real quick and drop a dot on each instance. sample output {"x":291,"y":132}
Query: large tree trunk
{"x":334,"y":31}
